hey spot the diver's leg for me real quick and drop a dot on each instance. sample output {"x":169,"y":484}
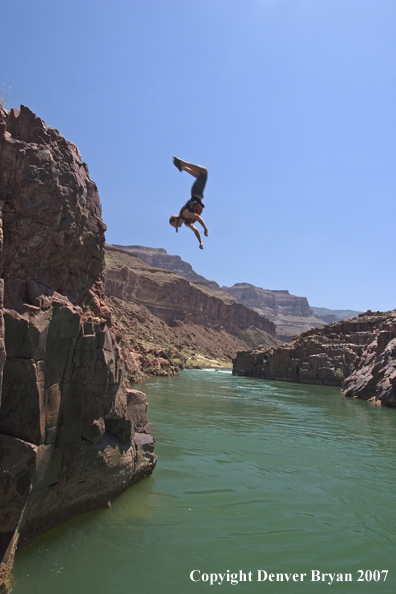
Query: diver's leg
{"x":191,"y":168}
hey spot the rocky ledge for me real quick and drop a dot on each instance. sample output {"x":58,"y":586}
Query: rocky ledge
{"x":73,"y":434}
{"x":358,"y":355}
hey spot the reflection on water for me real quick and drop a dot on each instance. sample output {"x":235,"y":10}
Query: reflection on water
{"x":251,"y":475}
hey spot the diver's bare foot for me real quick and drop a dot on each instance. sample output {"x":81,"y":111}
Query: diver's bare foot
{"x":201,"y":246}
{"x":206,"y":233}
{"x":177,"y":163}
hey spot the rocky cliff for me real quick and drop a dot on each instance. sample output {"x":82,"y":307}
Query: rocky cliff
{"x":357,"y":354}
{"x":166,"y":315}
{"x":73,"y":435}
{"x":159,"y":258}
{"x":291,"y":315}
{"x":374,"y":377}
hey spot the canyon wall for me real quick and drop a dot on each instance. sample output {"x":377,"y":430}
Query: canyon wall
{"x":73,"y":434}
{"x":358,"y":355}
{"x":291,"y":315}
{"x":173,"y":299}
{"x":159,"y":258}
{"x":275,"y":301}
{"x":167,"y":315}
{"x":374,"y":377}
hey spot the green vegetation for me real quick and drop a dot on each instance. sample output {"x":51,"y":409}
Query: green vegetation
{"x":202,"y":362}
{"x":193,"y":362}
{"x":108,"y":259}
{"x":339,"y":374}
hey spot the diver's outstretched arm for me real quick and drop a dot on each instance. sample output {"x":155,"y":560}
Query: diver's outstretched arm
{"x":202,"y":222}
{"x":197,"y":235}
{"x":191,"y":216}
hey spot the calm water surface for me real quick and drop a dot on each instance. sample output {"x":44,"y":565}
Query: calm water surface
{"x":252,"y":475}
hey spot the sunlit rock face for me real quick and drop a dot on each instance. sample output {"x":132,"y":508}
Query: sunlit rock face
{"x":174,"y":299}
{"x":73,"y":435}
{"x":374,"y":378}
{"x":53,"y":233}
{"x":291,"y":315}
{"x":159,"y":258}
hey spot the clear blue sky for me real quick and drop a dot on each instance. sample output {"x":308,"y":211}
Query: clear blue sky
{"x":290,"y":104}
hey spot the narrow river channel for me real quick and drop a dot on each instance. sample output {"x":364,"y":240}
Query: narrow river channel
{"x":259,"y":482}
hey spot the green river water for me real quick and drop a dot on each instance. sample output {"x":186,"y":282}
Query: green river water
{"x":252,"y":476}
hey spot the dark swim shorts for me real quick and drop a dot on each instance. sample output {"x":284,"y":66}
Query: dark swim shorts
{"x":199,"y":185}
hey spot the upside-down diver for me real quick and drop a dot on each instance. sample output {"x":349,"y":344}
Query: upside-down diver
{"x":192,"y":210}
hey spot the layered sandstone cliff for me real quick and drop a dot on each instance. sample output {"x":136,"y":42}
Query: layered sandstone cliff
{"x":291,"y":315}
{"x":159,"y":258}
{"x":73,"y":435}
{"x":357,"y":354}
{"x":182,"y":320}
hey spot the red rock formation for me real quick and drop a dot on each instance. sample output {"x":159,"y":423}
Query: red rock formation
{"x":172,"y":299}
{"x":325,"y":355}
{"x":73,"y":435}
{"x":180,"y":307}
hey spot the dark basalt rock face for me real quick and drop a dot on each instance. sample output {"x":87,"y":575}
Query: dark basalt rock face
{"x":357,"y":354}
{"x":73,"y":435}
{"x":51,"y":213}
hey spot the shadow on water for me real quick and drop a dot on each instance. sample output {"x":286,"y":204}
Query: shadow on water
{"x":251,"y":475}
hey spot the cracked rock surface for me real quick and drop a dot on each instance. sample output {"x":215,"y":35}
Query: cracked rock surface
{"x":73,"y":434}
{"x":358,"y":355}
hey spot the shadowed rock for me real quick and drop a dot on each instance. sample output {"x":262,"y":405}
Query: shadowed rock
{"x":68,"y":418}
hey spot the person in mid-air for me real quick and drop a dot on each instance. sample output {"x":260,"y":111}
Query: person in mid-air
{"x":191,"y":211}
